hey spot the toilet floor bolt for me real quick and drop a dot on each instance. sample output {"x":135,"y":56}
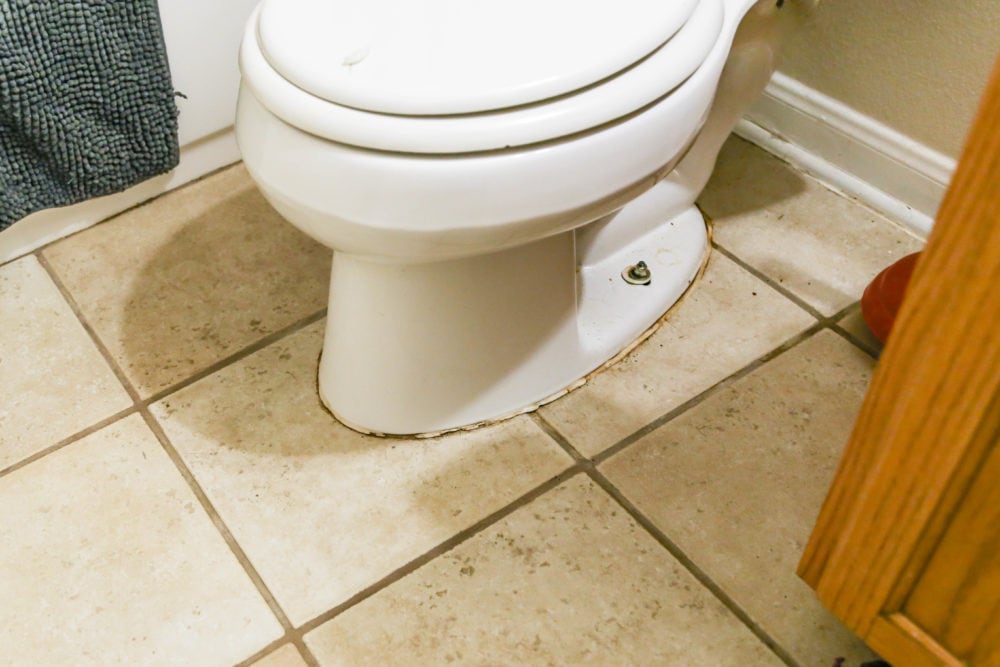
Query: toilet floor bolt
{"x":637,"y":274}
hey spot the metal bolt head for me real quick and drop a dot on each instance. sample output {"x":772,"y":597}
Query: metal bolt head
{"x":637,"y":274}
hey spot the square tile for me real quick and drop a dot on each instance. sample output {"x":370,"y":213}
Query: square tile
{"x":106,"y":557}
{"x":177,"y":284}
{"x":821,"y":246}
{"x":323,"y":511}
{"x":738,"y":480}
{"x":568,"y":579}
{"x":53,"y":380}
{"x":727,"y":320}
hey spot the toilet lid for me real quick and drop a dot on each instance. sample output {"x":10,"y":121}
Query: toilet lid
{"x":444,"y":57}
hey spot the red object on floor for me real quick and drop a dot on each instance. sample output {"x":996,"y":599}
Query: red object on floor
{"x":882,"y":298}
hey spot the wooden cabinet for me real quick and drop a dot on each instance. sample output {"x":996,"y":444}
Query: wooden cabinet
{"x":906,"y":550}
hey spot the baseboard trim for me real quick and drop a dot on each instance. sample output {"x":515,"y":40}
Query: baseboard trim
{"x":852,"y":153}
{"x":36,"y":230}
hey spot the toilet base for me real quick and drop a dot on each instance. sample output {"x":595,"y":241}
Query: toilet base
{"x":422,"y":349}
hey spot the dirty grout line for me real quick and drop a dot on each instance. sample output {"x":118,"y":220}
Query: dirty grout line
{"x":589,"y":467}
{"x":870,"y":350}
{"x":770,"y":282}
{"x":656,"y":423}
{"x":443,"y":547}
{"x":242,"y":353}
{"x":802,"y":336}
{"x":69,"y":440}
{"x":143,"y":409}
{"x":96,"y":339}
{"x":690,"y":566}
{"x":561,"y":440}
{"x":216,"y":519}
{"x":294,"y":638}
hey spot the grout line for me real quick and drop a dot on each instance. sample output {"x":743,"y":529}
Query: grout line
{"x":266,"y":651}
{"x":854,"y":340}
{"x":443,"y":547}
{"x":770,"y":282}
{"x":143,"y":409}
{"x":707,"y":393}
{"x":242,"y":353}
{"x":307,"y":655}
{"x":79,"y":435}
{"x":550,"y":430}
{"x":871,"y":351}
{"x":293,"y":638}
{"x":101,"y":347}
{"x":590,"y":469}
{"x":699,"y":574}
{"x":213,"y":514}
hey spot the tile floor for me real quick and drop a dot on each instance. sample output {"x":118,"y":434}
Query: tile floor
{"x":173,"y":493}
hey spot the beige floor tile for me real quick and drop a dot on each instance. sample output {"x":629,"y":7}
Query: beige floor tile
{"x":738,"y":480}
{"x":106,"y":558}
{"x":322,"y":511}
{"x":53,"y":380}
{"x":822,"y":247}
{"x":854,"y":324}
{"x":173,"y":286}
{"x":286,"y":656}
{"x":728,"y":320}
{"x":568,"y":579}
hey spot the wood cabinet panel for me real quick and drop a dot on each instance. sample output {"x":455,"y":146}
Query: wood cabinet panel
{"x":906,"y":550}
{"x":955,"y":599}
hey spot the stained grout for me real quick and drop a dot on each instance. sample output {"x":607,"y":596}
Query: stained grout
{"x":767,"y":280}
{"x":703,"y":578}
{"x":242,"y":353}
{"x":443,"y":547}
{"x":589,"y":467}
{"x":69,"y":440}
{"x":707,"y":393}
{"x":294,"y":639}
{"x":142,"y":407}
{"x":91,"y":332}
{"x":217,"y":520}
{"x":873,"y":352}
{"x":831,"y":321}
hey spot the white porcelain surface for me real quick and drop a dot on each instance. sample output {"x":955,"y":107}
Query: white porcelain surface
{"x":433,"y":207}
{"x":412,"y":348}
{"x":613,"y":98}
{"x":454,"y":56}
{"x":458,"y":294}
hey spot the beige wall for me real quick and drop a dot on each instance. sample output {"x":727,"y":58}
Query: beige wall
{"x":915,"y":65}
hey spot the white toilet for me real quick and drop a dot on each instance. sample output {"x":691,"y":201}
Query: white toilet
{"x":489,"y":176}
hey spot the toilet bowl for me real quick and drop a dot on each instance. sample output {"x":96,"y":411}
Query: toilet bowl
{"x":488,"y":176}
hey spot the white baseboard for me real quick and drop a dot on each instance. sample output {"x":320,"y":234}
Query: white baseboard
{"x":852,"y":153}
{"x":197,"y":159}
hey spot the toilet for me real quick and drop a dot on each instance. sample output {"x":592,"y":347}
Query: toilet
{"x":507,"y":188}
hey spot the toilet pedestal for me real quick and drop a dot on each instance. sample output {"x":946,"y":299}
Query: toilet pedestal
{"x":523,"y":326}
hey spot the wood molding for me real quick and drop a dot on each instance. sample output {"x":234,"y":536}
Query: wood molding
{"x":911,"y":646}
{"x":929,"y":419}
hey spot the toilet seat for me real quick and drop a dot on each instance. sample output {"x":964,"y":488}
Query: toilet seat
{"x":616,"y":96}
{"x":448,"y":57}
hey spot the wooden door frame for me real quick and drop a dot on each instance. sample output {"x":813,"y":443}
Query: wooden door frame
{"x":931,"y":415}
